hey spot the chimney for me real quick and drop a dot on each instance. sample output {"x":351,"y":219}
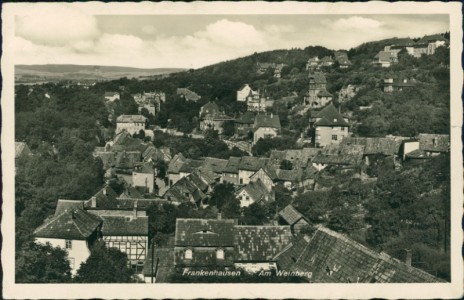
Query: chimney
{"x":135,"y":209}
{"x":408,"y":259}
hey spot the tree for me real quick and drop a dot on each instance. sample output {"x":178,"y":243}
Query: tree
{"x":254,"y":214}
{"x":105,"y":265}
{"x":37,"y":263}
{"x":222,"y":194}
{"x":228,"y":128}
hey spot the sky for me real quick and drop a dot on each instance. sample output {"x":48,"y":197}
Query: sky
{"x":193,"y":41}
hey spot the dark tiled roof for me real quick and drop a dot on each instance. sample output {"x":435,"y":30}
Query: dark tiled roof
{"x":131,"y":119}
{"x":216,"y":165}
{"x":290,"y":214}
{"x":119,"y":226}
{"x":261,"y":243}
{"x":251,"y":163}
{"x":190,"y":165}
{"x":335,"y":258}
{"x":131,"y":192}
{"x":431,"y":38}
{"x":64,"y":205}
{"x":298,"y":157}
{"x":294,"y":175}
{"x":404,"y":42}
{"x":232,"y":165}
{"x":262,"y":120}
{"x":317,"y":77}
{"x":204,"y":233}
{"x":324,"y":93}
{"x":384,"y":56}
{"x":246,"y":118}
{"x":165,"y":266}
{"x":186,"y":187}
{"x":176,"y":163}
{"x":127,"y":160}
{"x":257,"y":191}
{"x":340,"y":155}
{"x":329,"y":116}
{"x":75,"y":224}
{"x":434,"y":142}
{"x":108,"y":159}
{"x":417,"y":154}
{"x":385,"y":146}
{"x":142,"y":203}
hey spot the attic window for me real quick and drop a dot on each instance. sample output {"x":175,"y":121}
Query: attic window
{"x":188,"y":254}
{"x":220,"y":254}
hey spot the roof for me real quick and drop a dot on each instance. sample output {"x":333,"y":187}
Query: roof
{"x":324,"y":93}
{"x":64,"y":205}
{"x":290,"y":215}
{"x":405,"y":83}
{"x":19,"y":148}
{"x":185,"y":187}
{"x":298,"y":157}
{"x":131,"y":119}
{"x":127,"y":160}
{"x":340,"y":154}
{"x":111,"y":94}
{"x":215,"y":165}
{"x":165,"y":257}
{"x":232,"y":165}
{"x":432,"y":38}
{"x":124,"y":226}
{"x":257,"y":191}
{"x":243,"y":86}
{"x":204,"y":233}
{"x":251,"y":163}
{"x":73,"y":224}
{"x":209,"y":108}
{"x":385,"y":56}
{"x":176,"y":163}
{"x":434,"y":142}
{"x":334,"y":258}
{"x":246,"y":118}
{"x":188,"y":94}
{"x":329,"y":116}
{"x":190,"y":165}
{"x":262,"y":120}
{"x":294,"y":175}
{"x":261,"y":243}
{"x":131,"y":192}
{"x":372,"y":146}
{"x":317,"y":77}
{"x":403,"y":42}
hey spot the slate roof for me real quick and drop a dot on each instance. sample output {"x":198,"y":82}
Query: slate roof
{"x":262,"y":120}
{"x":261,"y":243}
{"x":257,"y":191}
{"x":232,"y":165}
{"x":246,"y":118}
{"x":290,"y":214}
{"x":434,"y":142}
{"x":334,"y":258}
{"x":74,"y":224}
{"x":251,"y":163}
{"x":131,"y":119}
{"x":204,"y":233}
{"x":329,"y":116}
{"x":340,"y":155}
{"x":63,"y":205}
{"x":122,"y":226}
{"x":317,"y":77}
{"x":372,"y":146}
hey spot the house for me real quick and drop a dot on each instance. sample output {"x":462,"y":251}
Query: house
{"x":257,"y":104}
{"x":257,"y":246}
{"x":230,"y":171}
{"x":244,"y":92}
{"x":74,"y":230}
{"x":22,"y":150}
{"x":390,"y":85}
{"x":212,"y":119}
{"x":144,"y":176}
{"x":317,"y":96}
{"x":341,"y":57}
{"x":173,"y":171}
{"x":104,"y":198}
{"x":244,"y":124}
{"x":204,"y":243}
{"x":298,"y":157}
{"x":266,"y":175}
{"x":375,"y":147}
{"x":254,"y":192}
{"x":188,"y":95}
{"x":326,"y":61}
{"x":63,"y":205}
{"x":428,"y":44}
{"x":346,"y":156}
{"x":313,"y":63}
{"x":112,"y":96}
{"x":295,"y":178}
{"x":426,"y":146}
{"x":290,"y":216}
{"x":278,"y":70}
{"x":330,"y":126}
{"x":262,"y":68}
{"x":385,"y":59}
{"x":249,"y":165}
{"x":131,"y":123}
{"x":215,"y":166}
{"x":347,"y":92}
{"x":399,"y":44}
{"x":188,"y":189}
{"x":153,"y":154}
{"x":210,"y":108}
{"x":128,"y":234}
{"x":266,"y":126}
{"x":332,"y":257}
{"x":126,"y":161}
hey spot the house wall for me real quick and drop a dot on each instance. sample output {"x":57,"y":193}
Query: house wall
{"x":144,"y":180}
{"x":264,"y":178}
{"x":242,"y":94}
{"x":134,"y":246}
{"x":112,"y":98}
{"x":130,"y":127}
{"x":409,"y":147}
{"x":78,"y":253}
{"x":264,"y":132}
{"x":203,"y":256}
{"x":256,"y":267}
{"x":244,"y":176}
{"x":230,"y":177}
{"x":324,"y":135}
{"x":298,"y":225}
{"x":173,"y":178}
{"x":245,"y":199}
{"x":319,"y":167}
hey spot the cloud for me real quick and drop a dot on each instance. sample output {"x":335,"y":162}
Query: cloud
{"x":59,"y":27}
{"x":149,"y":29}
{"x":356,"y":23}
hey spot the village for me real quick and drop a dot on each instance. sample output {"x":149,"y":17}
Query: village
{"x":175,"y":212}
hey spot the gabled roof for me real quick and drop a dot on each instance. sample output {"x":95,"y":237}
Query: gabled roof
{"x":131,"y":119}
{"x":176,"y":163}
{"x":186,"y":187}
{"x":261,"y":243}
{"x":262,"y":120}
{"x":190,"y":165}
{"x":251,"y":163}
{"x":324,"y":93}
{"x":257,"y":191}
{"x":243,"y":86}
{"x":290,"y":215}
{"x":127,"y":160}
{"x":246,"y":118}
{"x":434,"y":142}
{"x":216,"y":165}
{"x":372,"y":146}
{"x":403,"y":42}
{"x":334,"y":258}
{"x":131,"y":192}
{"x":340,"y":155}
{"x":209,"y":108}
{"x":124,"y":226}
{"x":188,"y":94}
{"x":317,"y":77}
{"x":74,"y":224}
{"x":63,"y":205}
{"x":329,"y":116}
{"x":21,"y":147}
{"x":232,"y":165}
{"x":432,"y":38}
{"x":385,"y":56}
{"x":298,"y":157}
{"x":204,"y":233}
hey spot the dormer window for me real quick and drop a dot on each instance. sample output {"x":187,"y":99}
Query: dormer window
{"x":188,"y":254}
{"x":220,"y":254}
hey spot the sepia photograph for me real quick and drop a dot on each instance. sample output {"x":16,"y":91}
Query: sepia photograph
{"x":232,"y":150}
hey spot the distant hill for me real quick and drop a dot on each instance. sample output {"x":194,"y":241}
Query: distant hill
{"x":55,"y":72}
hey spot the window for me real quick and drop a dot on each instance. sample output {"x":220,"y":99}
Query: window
{"x":188,"y":254}
{"x":334,"y":137}
{"x":220,"y":254}
{"x":68,"y":244}
{"x":343,"y":128}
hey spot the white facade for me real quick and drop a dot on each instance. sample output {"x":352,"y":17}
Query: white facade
{"x":243,"y":93}
{"x":144,"y":180}
{"x":244,"y":176}
{"x":264,"y":132}
{"x":264,"y":177}
{"x":245,"y":199}
{"x":112,"y":97}
{"x":408,"y":147}
{"x":131,"y":123}
{"x":78,"y":251}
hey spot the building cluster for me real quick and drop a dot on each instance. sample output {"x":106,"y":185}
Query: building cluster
{"x":340,"y":57}
{"x":188,"y":95}
{"x":254,"y":100}
{"x":425,"y":46}
{"x":211,"y":118}
{"x":262,"y":68}
{"x":151,"y":101}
